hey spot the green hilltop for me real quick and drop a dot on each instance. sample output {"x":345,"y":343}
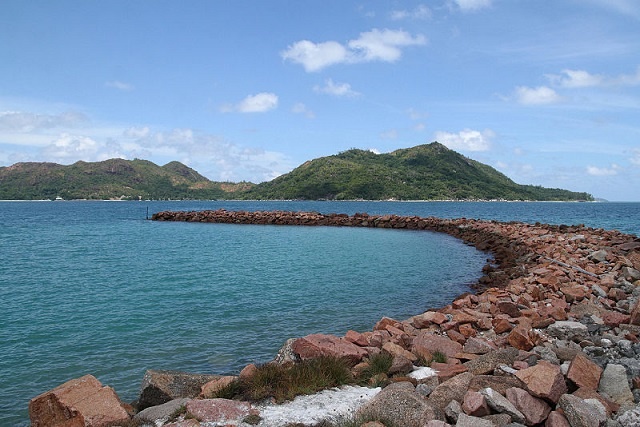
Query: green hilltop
{"x":425,"y":172}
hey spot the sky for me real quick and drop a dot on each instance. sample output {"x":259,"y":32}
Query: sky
{"x":546,"y":92}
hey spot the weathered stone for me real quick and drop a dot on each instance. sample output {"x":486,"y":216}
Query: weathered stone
{"x":614,"y":319}
{"x":581,"y":413}
{"x":535,"y":410}
{"x":429,"y":318}
{"x":452,"y":389}
{"x":556,"y":419}
{"x":453,"y":411}
{"x":509,"y":308}
{"x":248,"y":371}
{"x":584,"y":373}
{"x":544,"y":380}
{"x":465,"y":420}
{"x":634,"y":318}
{"x":501,"y":325}
{"x":614,"y":385}
{"x":630,"y":418}
{"x":161,"y":412}
{"x":447,"y":370}
{"x":486,"y":363}
{"x":497,"y":382}
{"x":400,"y":402}
{"x":213,"y":386}
{"x":426,"y":343}
{"x":82,"y":402}
{"x":478,"y":346}
{"x":218,"y":410}
{"x":475,"y":404}
{"x":400,"y":365}
{"x":501,"y":404}
{"x":318,"y":345}
{"x":609,"y":405}
{"x":357,"y":338}
{"x":568,"y":330}
{"x":159,"y":387}
{"x":520,"y":338}
{"x":396,"y":350}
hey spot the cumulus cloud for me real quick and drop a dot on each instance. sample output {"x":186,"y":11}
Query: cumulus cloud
{"x":300,"y":108}
{"x":19,"y":121}
{"x":536,"y":96}
{"x":73,"y":147}
{"x":336,"y":89}
{"x":466,"y":140}
{"x":375,"y":45}
{"x":421,"y":12}
{"x":259,"y":103}
{"x":581,"y":78}
{"x":115,"y":84}
{"x":597,"y":171}
{"x":470,"y":5}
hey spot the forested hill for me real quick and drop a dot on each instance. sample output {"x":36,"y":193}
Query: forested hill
{"x":109,"y":179}
{"x":425,"y":172}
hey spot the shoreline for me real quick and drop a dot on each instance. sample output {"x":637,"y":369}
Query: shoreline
{"x":541,"y":275}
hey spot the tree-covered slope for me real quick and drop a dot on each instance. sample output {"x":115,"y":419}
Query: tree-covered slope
{"x":109,"y":179}
{"x":425,"y":172}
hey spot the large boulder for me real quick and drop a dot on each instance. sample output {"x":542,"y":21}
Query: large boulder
{"x":426,"y":343}
{"x":614,"y":384}
{"x":400,"y":402}
{"x":544,"y":380}
{"x":159,"y":387}
{"x":218,"y":410}
{"x":82,"y":402}
{"x":319,"y":345}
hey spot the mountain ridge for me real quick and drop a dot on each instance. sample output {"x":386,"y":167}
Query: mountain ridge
{"x":424,"y":172}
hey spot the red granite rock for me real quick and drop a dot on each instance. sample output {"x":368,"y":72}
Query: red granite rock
{"x":396,"y":350}
{"x":556,"y":419}
{"x":535,"y":410}
{"x":614,"y":318}
{"x":425,"y":344}
{"x":317,"y":345}
{"x":544,"y":380}
{"x":446,"y":371}
{"x":635,"y":315}
{"x":520,"y":338}
{"x":467,"y":330}
{"x":210,"y":388}
{"x":501,"y":325}
{"x":584,"y":373}
{"x":475,"y":404}
{"x":508,"y":308}
{"x":357,"y":338}
{"x":82,"y":402}
{"x":218,"y":410}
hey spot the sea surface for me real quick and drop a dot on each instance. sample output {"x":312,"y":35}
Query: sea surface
{"x":93,"y":287}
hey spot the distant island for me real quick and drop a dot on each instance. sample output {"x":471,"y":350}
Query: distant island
{"x":425,"y":172}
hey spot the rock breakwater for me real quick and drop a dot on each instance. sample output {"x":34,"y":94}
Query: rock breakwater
{"x":551,"y":337}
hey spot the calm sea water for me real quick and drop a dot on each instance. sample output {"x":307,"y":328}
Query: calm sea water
{"x":92,"y":287}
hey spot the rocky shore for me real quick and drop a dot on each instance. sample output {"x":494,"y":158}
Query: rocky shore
{"x":550,"y":337}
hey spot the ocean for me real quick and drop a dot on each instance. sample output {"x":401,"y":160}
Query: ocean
{"x":91,"y":287}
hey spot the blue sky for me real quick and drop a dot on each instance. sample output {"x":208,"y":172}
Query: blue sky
{"x":547,"y":92}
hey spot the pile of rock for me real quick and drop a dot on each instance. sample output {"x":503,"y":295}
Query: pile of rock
{"x":551,"y":338}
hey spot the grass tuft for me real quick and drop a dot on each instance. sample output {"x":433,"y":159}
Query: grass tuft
{"x":282,"y":383}
{"x":377,"y":364}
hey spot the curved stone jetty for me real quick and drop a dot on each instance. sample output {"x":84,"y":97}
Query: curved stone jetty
{"x":550,"y":337}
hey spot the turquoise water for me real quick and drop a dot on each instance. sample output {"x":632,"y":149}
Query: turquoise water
{"x":92,"y":287}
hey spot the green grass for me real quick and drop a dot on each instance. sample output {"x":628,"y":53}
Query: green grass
{"x":377,"y":364}
{"x":439,"y":357}
{"x":282,"y":383}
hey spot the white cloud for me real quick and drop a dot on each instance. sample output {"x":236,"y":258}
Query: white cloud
{"x":635,"y":159}
{"x":259,"y":103}
{"x":576,"y":78}
{"x":336,"y":89}
{"x":137,"y":132}
{"x":581,"y":78}
{"x":466,"y":140}
{"x":421,"y":12}
{"x":596,"y":171}
{"x":374,"y":150}
{"x":300,"y":108}
{"x":19,"y":121}
{"x":71,"y":147}
{"x":115,"y":84}
{"x":472,"y":5}
{"x":536,"y":96}
{"x":375,"y":45}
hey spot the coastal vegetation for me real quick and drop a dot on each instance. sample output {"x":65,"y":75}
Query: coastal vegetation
{"x":424,"y":172}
